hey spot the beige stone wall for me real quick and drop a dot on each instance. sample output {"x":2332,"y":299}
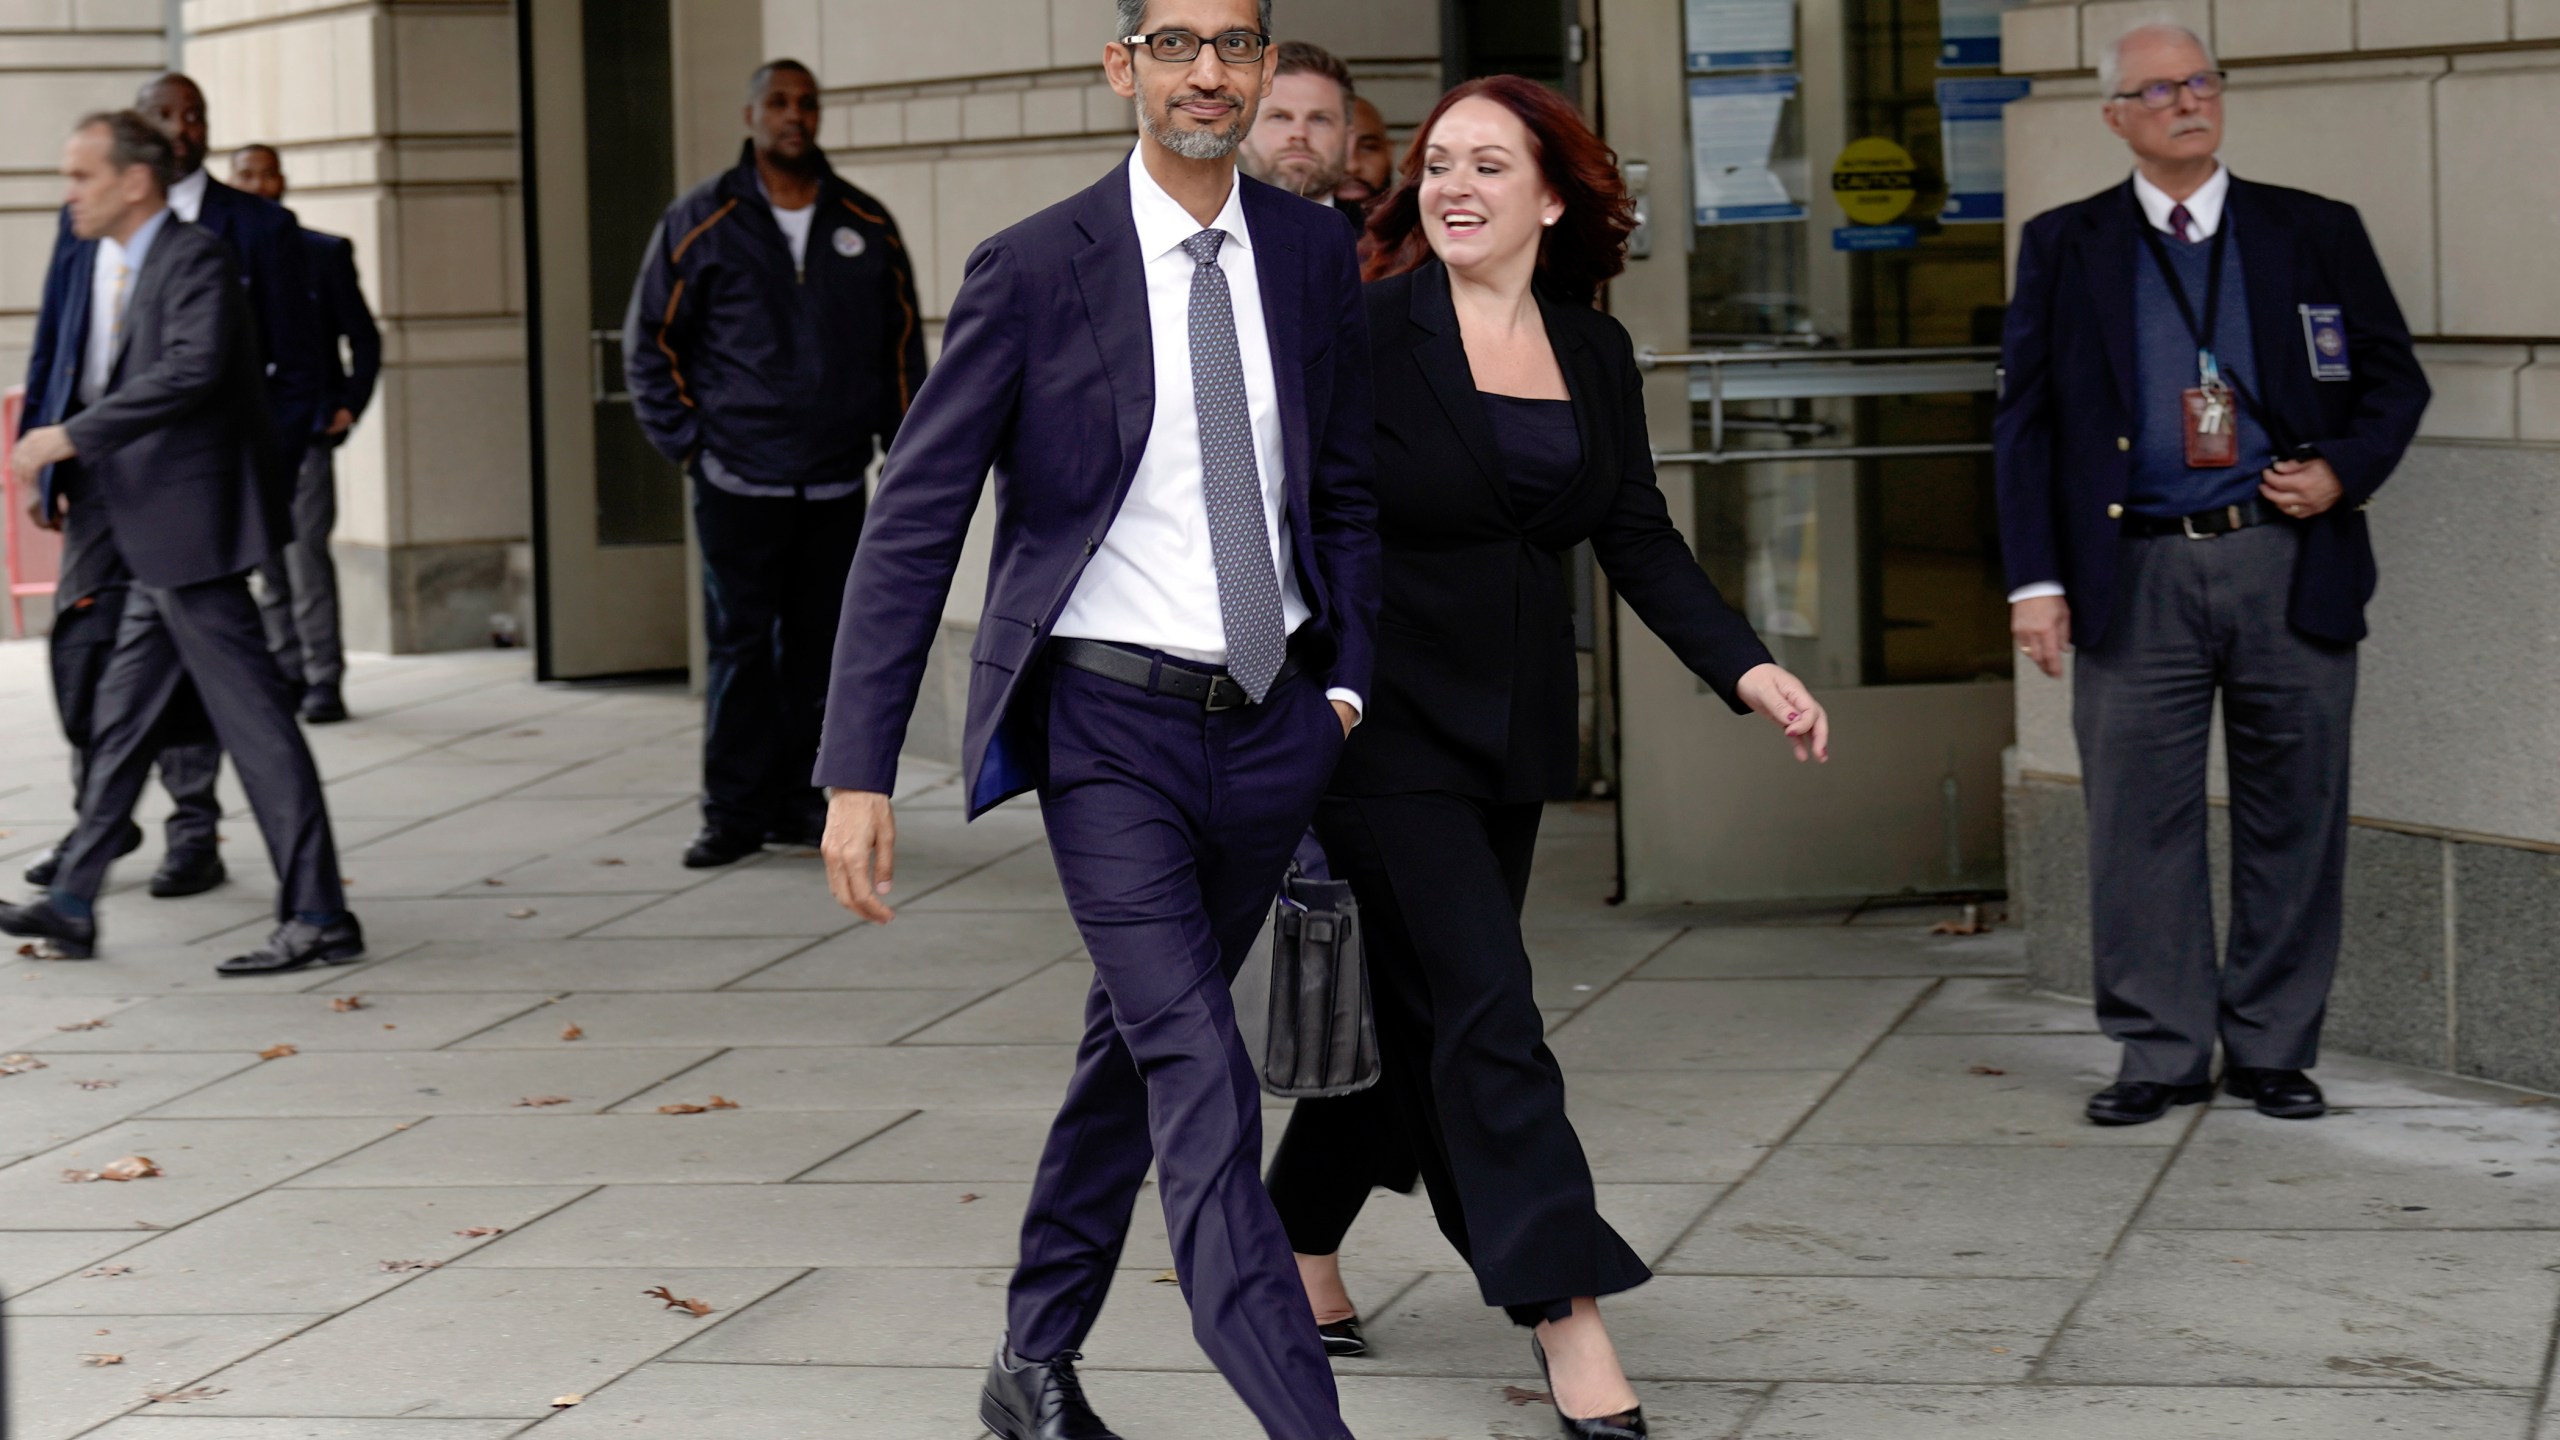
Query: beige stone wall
{"x":397,"y":122}
{"x":2440,"y":139}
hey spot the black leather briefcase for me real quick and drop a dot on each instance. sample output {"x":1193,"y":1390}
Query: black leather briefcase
{"x":1322,"y":1039}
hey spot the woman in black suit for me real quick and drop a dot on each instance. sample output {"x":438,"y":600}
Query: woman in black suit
{"x":1510,"y":429}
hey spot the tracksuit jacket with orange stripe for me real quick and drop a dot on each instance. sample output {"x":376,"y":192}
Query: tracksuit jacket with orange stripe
{"x":789,"y":375}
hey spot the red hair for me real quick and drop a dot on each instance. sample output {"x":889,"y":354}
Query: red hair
{"x":1577,"y":254}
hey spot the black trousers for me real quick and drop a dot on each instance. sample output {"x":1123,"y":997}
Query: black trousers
{"x":1441,"y":880}
{"x":207,"y":635}
{"x":190,"y":764}
{"x":298,"y":587}
{"x":773,"y":572}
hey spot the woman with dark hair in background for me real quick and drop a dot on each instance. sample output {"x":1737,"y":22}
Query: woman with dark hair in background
{"x":1510,"y":429}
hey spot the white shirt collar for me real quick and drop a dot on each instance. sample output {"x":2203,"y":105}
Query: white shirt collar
{"x":133,"y":252}
{"x":187,"y":196}
{"x":1162,"y":222}
{"x":2204,"y":206}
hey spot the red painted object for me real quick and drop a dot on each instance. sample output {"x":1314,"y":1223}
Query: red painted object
{"x":34,"y":554}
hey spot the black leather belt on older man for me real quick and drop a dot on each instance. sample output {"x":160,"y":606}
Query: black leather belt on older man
{"x":1209,"y":689}
{"x":2204,"y":524}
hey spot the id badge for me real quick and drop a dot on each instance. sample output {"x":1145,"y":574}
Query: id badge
{"x":2324,"y":338}
{"x":2212,"y":428}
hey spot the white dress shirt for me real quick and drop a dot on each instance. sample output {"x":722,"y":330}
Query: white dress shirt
{"x":187,"y":196}
{"x":1154,"y":581}
{"x":2204,"y":217}
{"x":111,"y":283}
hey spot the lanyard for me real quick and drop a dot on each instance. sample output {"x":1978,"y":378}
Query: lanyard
{"x":2208,"y":366}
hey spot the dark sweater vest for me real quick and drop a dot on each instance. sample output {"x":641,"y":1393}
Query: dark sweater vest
{"x":2165,"y":368}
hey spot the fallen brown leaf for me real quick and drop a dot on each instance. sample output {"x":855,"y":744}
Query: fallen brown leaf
{"x":690,"y":1307}
{"x":181,"y":1397}
{"x":131,"y":1167}
{"x":481,"y":1232}
{"x":345,"y":1003}
{"x":399,"y":1267}
{"x":1169,"y":1277}
{"x":492,"y":880}
{"x":83,"y":1025}
{"x":278,"y":1051}
{"x":1984,"y":1070}
{"x":610,"y":860}
{"x":972,"y":1195}
{"x":572,"y":1032}
{"x":102,"y":1272}
{"x":95,"y":1084}
{"x":723,"y":1103}
{"x":19,"y":1064}
{"x":1972,"y":922}
{"x":101,"y":1358}
{"x":1522,"y":1395}
{"x":538,"y":1101}
{"x":563,"y":1402}
{"x":27,"y":951}
{"x":687,"y":1107}
{"x":527,"y":913}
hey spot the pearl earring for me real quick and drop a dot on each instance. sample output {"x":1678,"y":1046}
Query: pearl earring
{"x":1550,"y":220}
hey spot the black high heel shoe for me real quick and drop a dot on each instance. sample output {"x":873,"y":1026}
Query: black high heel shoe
{"x":1626,"y":1425}
{"x":1343,"y":1338}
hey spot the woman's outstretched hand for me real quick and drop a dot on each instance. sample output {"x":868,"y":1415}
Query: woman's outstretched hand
{"x":1773,"y":692}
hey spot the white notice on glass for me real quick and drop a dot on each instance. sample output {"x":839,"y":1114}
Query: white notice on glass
{"x":1741,"y":34}
{"x":1733,"y":126}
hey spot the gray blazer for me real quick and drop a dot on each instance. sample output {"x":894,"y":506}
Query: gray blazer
{"x":175,"y":451}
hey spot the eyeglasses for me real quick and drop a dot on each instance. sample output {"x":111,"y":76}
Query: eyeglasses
{"x":2161,"y":94}
{"x":1177,"y":47}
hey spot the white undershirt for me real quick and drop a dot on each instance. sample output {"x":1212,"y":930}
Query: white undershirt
{"x":1154,"y":581}
{"x":2204,"y":215}
{"x":187,"y":196}
{"x":795,"y":229}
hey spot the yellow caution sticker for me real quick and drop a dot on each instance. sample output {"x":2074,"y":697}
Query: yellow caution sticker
{"x":1874,"y":180}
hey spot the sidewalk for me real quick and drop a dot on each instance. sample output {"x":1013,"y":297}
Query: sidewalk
{"x":1853,"y":1151}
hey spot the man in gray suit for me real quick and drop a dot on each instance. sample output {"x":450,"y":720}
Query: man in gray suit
{"x":162,"y":458}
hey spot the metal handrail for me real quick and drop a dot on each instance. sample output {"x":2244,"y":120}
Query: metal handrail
{"x":1714,"y":362}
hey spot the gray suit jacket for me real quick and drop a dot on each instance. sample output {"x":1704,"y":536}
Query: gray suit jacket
{"x":174,"y":451}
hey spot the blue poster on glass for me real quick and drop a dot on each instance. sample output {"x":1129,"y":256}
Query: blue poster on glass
{"x":1969,"y":33}
{"x":1969,"y":123}
{"x":1733,"y":130}
{"x":1741,"y":34}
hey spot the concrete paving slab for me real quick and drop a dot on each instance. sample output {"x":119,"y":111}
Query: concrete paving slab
{"x":205,"y":1165}
{"x":370,"y":876}
{"x":907,"y":1077}
{"x":2145,"y":1412}
{"x":1953,"y":1210}
{"x":1045,"y":1008}
{"x":2471,"y":1167}
{"x":55,"y":1394}
{"x":29,"y":1258}
{"x":1683,"y":1128}
{"x":2359,"y":1082}
{"x":976,"y":951}
{"x":428,"y":786}
{"x":1569,"y":968}
{"x":749,"y":1226}
{"x":1739,"y":952}
{"x":481,"y":1343}
{"x":540,"y":1147}
{"x":1418,"y":1408}
{"x":336,"y":1427}
{"x":943,"y":840}
{"x":769,"y":1018}
{"x":515,"y":824}
{"x":39,"y":1022}
{"x":576,"y":736}
{"x":435,"y":1082}
{"x":1398,"y":1232}
{"x":1733,"y":1024}
{"x":78,"y":1093}
{"x":1982,"y":1090}
{"x":947,"y":1146}
{"x":785,"y":895}
{"x":495,"y":916}
{"x":552,"y":967}
{"x":1745,"y":1329}
{"x":1026,"y":880}
{"x":2457,"y":1310}
{"x":782,"y":1402}
{"x":633,"y":861}
{"x":234,"y":1025}
{"x":669,"y":769}
{"x":1977,"y":1005}
{"x":297,"y":1251}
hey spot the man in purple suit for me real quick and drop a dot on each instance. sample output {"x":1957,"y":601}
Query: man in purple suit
{"x":1168,"y":376}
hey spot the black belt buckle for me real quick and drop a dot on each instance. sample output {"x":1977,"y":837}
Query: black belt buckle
{"x":1214,"y":702}
{"x":2231,"y":522}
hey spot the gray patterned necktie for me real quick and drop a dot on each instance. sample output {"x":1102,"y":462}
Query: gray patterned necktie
{"x":1239,"y":541}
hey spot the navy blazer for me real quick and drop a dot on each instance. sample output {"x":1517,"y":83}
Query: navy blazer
{"x":339,"y":311}
{"x":2065,"y":424}
{"x":1047,"y":376}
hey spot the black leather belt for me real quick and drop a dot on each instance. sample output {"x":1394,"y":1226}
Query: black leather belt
{"x":1211,"y":690}
{"x":2204,"y":524}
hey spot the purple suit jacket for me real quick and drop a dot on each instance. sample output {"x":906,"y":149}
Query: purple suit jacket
{"x":1047,"y":378}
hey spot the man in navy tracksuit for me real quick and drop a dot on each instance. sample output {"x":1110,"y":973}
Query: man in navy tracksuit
{"x":772,"y":346}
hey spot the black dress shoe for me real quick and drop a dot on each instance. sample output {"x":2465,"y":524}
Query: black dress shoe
{"x":799,"y":835}
{"x":297,"y":943}
{"x":64,"y":937}
{"x":2283,"y":1094}
{"x":715,"y":847}
{"x":188,"y":872}
{"x":2139,"y":1102}
{"x":1343,"y":1337}
{"x":1038,"y":1400}
{"x":48,"y":865}
{"x":1625,"y":1425}
{"x":323,"y":705}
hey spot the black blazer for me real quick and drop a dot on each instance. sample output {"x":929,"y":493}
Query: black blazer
{"x":1475,"y":689}
{"x":2065,"y":422}
{"x":337,"y":302}
{"x":176,"y":449}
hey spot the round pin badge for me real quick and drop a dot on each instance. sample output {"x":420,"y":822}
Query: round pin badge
{"x":848,"y":242}
{"x":2332,"y":344}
